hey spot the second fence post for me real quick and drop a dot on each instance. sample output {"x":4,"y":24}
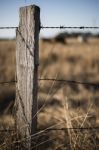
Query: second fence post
{"x":27,"y":59}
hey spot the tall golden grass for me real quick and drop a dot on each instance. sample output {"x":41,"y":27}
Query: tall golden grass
{"x":59,"y":105}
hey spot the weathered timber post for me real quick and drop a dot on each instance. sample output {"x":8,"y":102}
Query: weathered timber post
{"x":27,"y":57}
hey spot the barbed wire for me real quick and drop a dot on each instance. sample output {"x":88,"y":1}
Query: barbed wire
{"x":75,"y":128}
{"x":7,"y":130}
{"x":51,"y":129}
{"x":70,"y":81}
{"x":57,"y":80}
{"x":58,"y":27}
{"x":8,"y":28}
{"x":69,"y":27}
{"x":8,"y":82}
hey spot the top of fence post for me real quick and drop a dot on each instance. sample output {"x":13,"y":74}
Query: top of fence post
{"x":27,"y":56}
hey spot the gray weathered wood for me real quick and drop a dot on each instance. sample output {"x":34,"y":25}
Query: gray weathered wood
{"x":27,"y":57}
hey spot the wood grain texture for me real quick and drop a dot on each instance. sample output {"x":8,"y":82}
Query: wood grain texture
{"x":27,"y":57}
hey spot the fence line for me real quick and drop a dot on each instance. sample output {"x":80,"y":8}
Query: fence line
{"x":70,"y":81}
{"x":80,"y":129}
{"x":8,"y":82}
{"x":58,"y":27}
{"x":19,"y":38}
{"x":69,"y":27}
{"x":51,"y":129}
{"x":8,"y":28}
{"x":58,"y":80}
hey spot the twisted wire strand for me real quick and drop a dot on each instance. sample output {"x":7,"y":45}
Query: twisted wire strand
{"x":69,"y":27}
{"x":58,"y":27}
{"x":7,"y":82}
{"x":8,"y":27}
{"x":70,"y":81}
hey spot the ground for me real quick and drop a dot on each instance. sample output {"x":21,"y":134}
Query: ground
{"x":61,"y":105}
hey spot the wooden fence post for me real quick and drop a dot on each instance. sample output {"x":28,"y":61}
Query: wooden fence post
{"x":27,"y":59}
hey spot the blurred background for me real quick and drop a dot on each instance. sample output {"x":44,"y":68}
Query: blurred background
{"x":66,"y":54}
{"x":53,"y":13}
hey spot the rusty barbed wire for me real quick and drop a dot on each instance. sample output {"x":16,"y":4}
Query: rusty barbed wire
{"x":57,"y":80}
{"x":51,"y":129}
{"x":6,"y":130}
{"x":69,"y":27}
{"x":8,"y":82}
{"x":70,"y":81}
{"x":74,"y":128}
{"x":8,"y":27}
{"x":59,"y":27}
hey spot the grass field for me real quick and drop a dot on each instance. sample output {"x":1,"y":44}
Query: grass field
{"x":60,"y":105}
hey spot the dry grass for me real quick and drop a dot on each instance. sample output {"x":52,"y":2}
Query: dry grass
{"x":73,"y":105}
{"x":7,"y":73}
{"x":60,"y":105}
